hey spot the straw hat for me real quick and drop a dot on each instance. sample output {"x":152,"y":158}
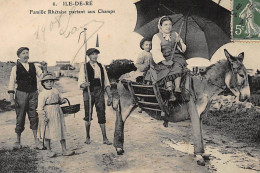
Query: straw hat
{"x":48,"y":76}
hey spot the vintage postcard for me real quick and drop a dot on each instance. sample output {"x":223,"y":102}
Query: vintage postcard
{"x":129,"y":86}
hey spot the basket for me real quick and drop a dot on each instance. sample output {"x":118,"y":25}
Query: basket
{"x":71,"y":109}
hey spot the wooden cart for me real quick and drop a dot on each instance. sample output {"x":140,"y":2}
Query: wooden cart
{"x":154,"y":99}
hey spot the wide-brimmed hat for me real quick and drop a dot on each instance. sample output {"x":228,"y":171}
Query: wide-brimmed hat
{"x":48,"y":76}
{"x":92,"y":50}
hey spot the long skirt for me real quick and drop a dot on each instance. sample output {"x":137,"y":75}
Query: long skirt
{"x":55,"y":129}
{"x":162,"y":73}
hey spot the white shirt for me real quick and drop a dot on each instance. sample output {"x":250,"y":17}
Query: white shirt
{"x":12,"y":81}
{"x":97,"y":74}
{"x":157,"y":49}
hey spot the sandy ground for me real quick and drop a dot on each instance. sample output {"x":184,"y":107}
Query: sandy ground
{"x":149,"y":147}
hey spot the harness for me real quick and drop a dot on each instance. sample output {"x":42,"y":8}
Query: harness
{"x":220,"y":87}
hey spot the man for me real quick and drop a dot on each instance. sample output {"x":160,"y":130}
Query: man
{"x":98,"y":84}
{"x":26,"y":95}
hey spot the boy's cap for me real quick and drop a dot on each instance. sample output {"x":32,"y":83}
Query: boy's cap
{"x":92,"y":50}
{"x":21,"y":49}
{"x":48,"y":76}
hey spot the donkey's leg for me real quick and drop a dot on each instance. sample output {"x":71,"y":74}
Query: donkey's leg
{"x":119,"y":124}
{"x":119,"y":134}
{"x":204,"y":113}
{"x":196,"y":126}
{"x":119,"y":130}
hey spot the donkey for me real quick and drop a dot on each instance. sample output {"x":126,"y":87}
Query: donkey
{"x":229,"y":73}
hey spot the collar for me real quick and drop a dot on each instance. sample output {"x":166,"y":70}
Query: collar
{"x":24,"y":63}
{"x":92,"y":63}
{"x":167,"y":37}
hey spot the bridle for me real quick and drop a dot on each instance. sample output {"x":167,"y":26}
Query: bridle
{"x":234,"y":72}
{"x":220,"y":87}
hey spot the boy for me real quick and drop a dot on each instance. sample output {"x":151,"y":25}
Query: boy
{"x":145,"y":58}
{"x":98,"y":84}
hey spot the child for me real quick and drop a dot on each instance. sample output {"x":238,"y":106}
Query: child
{"x":143,"y":63}
{"x":145,"y":60}
{"x":163,"y":46}
{"x":145,"y":57}
{"x":49,"y":110}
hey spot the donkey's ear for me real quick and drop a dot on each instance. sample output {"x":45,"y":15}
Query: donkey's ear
{"x":228,"y":56}
{"x":240,"y":57}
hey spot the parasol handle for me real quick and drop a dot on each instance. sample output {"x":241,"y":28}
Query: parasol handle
{"x":175,"y":45}
{"x":86,"y":75}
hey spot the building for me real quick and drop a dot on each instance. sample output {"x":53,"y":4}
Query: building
{"x":62,"y":63}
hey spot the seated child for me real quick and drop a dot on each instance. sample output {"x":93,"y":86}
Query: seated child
{"x":50,"y":111}
{"x":143,"y":62}
{"x":145,"y":58}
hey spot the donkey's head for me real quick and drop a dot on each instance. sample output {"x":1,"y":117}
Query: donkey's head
{"x":236,"y":79}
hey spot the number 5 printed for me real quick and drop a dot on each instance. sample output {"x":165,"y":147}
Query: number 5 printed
{"x":239,"y":29}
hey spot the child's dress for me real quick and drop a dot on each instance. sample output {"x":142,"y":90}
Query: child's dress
{"x":48,"y":103}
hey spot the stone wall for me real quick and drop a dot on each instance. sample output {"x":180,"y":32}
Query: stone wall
{"x":229,"y":104}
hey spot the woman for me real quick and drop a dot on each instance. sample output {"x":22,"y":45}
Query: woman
{"x":167,"y":51}
{"x":248,"y":14}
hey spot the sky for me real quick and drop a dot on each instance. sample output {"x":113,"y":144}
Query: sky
{"x":54,"y":37}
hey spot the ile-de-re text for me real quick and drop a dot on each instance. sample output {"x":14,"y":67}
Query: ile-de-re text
{"x":77,"y":3}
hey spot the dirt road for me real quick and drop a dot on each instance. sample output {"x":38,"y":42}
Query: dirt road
{"x":149,"y":147}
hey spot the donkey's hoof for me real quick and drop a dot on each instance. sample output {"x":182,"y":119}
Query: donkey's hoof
{"x":165,"y":124}
{"x":206,"y":156}
{"x":200,"y":160}
{"x":120,"y":151}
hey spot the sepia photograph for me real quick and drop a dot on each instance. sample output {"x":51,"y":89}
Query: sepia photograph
{"x":130,"y":86}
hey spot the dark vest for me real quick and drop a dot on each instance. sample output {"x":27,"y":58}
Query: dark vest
{"x":95,"y":82}
{"x":26,"y":80}
{"x":167,"y":48}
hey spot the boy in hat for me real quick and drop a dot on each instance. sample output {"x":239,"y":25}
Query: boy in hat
{"x":26,"y":95}
{"x":99,"y":84}
{"x":145,"y":59}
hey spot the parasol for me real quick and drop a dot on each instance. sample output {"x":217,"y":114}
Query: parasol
{"x":206,"y":24}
